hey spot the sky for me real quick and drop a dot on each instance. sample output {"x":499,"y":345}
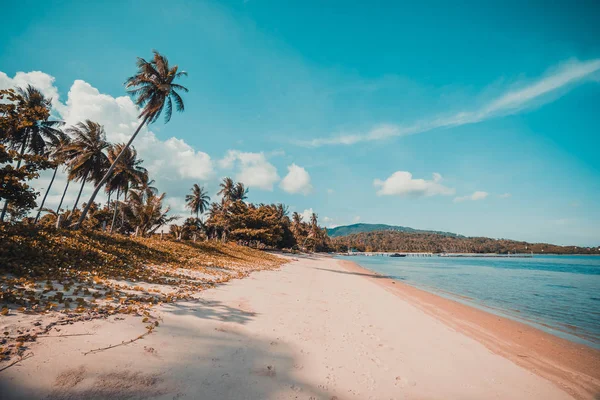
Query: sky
{"x":480,"y":118}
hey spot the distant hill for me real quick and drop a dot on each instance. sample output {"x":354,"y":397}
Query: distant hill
{"x":361,"y":228}
{"x":411,"y":241}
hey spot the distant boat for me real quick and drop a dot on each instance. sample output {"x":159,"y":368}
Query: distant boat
{"x":397,"y":255}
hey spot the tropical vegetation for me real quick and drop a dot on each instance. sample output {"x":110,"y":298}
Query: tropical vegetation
{"x":32,"y":141}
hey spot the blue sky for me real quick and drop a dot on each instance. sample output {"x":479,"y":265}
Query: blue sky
{"x":476,"y":118}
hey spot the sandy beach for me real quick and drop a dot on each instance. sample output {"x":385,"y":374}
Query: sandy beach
{"x":317,"y":328}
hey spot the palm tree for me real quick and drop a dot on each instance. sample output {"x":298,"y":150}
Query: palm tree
{"x":198,"y":201}
{"x":155,"y":91}
{"x":296,"y":223}
{"x":59,"y":156}
{"x":127,"y":172}
{"x":144,"y":211}
{"x":227,"y":188}
{"x":239,"y":192}
{"x":37,"y":137}
{"x":146,"y":184}
{"x":88,"y":159}
{"x":314,"y":227}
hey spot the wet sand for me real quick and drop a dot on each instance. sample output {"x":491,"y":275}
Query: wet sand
{"x":318,"y":328}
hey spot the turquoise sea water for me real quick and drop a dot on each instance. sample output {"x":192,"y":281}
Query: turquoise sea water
{"x":559,"y":294}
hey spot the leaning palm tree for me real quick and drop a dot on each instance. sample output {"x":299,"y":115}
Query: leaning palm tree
{"x":39,"y":136}
{"x":59,"y":156}
{"x":128,"y":172}
{"x":198,"y":201}
{"x":155,"y":91}
{"x":88,"y":160}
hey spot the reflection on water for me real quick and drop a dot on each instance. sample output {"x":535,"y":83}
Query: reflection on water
{"x":560,"y":294}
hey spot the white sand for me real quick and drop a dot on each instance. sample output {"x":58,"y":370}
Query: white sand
{"x":311,"y":330}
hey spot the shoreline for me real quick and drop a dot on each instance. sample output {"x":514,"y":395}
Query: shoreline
{"x":572,"y":366}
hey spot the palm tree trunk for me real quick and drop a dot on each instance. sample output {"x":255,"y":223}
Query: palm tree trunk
{"x":80,"y":190}
{"x":46,"y":195}
{"x":114,"y":219}
{"x":18,"y":166}
{"x":63,"y":196}
{"x":108,"y":173}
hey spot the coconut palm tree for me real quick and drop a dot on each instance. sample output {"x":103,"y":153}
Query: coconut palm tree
{"x":88,"y":160}
{"x":239,"y":192}
{"x":59,"y":156}
{"x":198,"y":201}
{"x":154,"y":89}
{"x":314,"y":226}
{"x":296,"y":223}
{"x":37,"y":137}
{"x":227,"y":188}
{"x":127,"y":173}
{"x":144,"y":211}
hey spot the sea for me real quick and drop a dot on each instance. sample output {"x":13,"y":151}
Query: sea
{"x":557,"y":294}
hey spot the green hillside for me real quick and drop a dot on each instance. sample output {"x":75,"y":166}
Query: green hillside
{"x":360,"y":228}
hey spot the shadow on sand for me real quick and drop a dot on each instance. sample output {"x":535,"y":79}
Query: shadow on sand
{"x":211,"y":310}
{"x":211,"y":356}
{"x":358,"y":273}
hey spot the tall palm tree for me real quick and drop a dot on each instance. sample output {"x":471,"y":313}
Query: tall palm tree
{"x":59,"y":156}
{"x":198,"y":201}
{"x":128,"y":172}
{"x":227,"y":188}
{"x":155,"y":91}
{"x":88,"y":160}
{"x":37,"y":137}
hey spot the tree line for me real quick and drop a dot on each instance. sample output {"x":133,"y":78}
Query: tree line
{"x":390,"y":241}
{"x":31,"y":141}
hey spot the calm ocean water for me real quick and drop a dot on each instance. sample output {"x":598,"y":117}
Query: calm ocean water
{"x":559,"y":294}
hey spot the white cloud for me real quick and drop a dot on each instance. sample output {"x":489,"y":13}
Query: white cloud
{"x":296,"y":181}
{"x":173,"y":163}
{"x":328,"y":222}
{"x":306,"y":214}
{"x":505,"y":195}
{"x":330,"y":191}
{"x":38,"y":79}
{"x":473,"y":197}
{"x":510,"y":102}
{"x":401,"y":183}
{"x":356,"y":219}
{"x":253,"y":169}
